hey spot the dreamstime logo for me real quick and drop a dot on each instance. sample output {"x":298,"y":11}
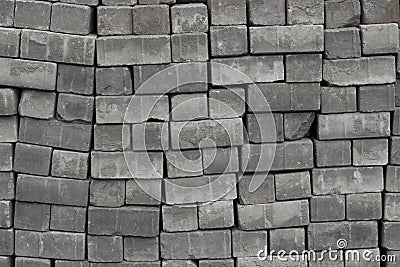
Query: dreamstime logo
{"x":190,"y":144}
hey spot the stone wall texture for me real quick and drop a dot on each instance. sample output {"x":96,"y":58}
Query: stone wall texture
{"x":195,"y":133}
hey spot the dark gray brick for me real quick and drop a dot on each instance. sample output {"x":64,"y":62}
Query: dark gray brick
{"x":69,"y":164}
{"x":107,"y":193}
{"x":61,"y":263}
{"x":75,"y":79}
{"x":6,"y":157}
{"x":287,"y":239}
{"x":7,"y":14}
{"x":151,"y":19}
{"x":178,"y":218}
{"x":72,"y":107}
{"x":332,"y":153}
{"x":298,"y":125}
{"x":379,"y":11}
{"x":217,"y":263}
{"x":191,"y":17}
{"x":119,"y":2}
{"x":364,"y":206}
{"x":391,"y":201}
{"x":9,"y":102}
{"x":390,"y":237}
{"x":70,"y":18}
{"x":32,"y":216}
{"x":113,"y":81}
{"x":127,"y":264}
{"x":227,"y":12}
{"x":186,"y":163}
{"x":220,"y":160}
{"x":67,"y":218}
{"x":6,"y":242}
{"x":342,"y":43}
{"x":37,"y":104}
{"x":141,"y":248}
{"x":9,"y":41}
{"x":7,"y":214}
{"x":188,"y":47}
{"x":374,"y":98}
{"x":217,"y":214}
{"x":32,"y":262}
{"x":392,"y":183}
{"x":112,"y":137}
{"x":150,"y":136}
{"x":186,"y":107}
{"x":370,"y":152}
{"x":23,"y":14}
{"x":179,"y":263}
{"x":328,"y":208}
{"x":7,"y":184}
{"x":380,"y":39}
{"x":265,"y":193}
{"x":265,"y":127}
{"x":83,"y":2}
{"x":340,"y":14}
{"x":52,"y":190}
{"x":228,"y":40}
{"x":295,"y":185}
{"x":32,"y":159}
{"x":264,"y":12}
{"x":248,"y":243}
{"x":394,"y":150}
{"x":226,"y":103}
{"x":338,"y":99}
{"x":143,"y":192}
{"x":114,"y":20}
{"x":9,"y":129}
{"x":305,"y":12}
{"x":304,"y":68}
{"x":105,"y":248}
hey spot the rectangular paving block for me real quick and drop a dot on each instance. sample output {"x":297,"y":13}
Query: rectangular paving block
{"x":71,"y":18}
{"x":68,"y":218}
{"x":127,"y":221}
{"x":52,"y":190}
{"x":7,"y":185}
{"x":9,"y":102}
{"x":226,"y":103}
{"x":57,"y":245}
{"x":293,"y":185}
{"x":380,"y":39}
{"x":365,"y":70}
{"x":364,"y":207}
{"x":107,"y":193}
{"x":71,"y":107}
{"x":8,"y":129}
{"x":151,"y":19}
{"x":305,"y":12}
{"x":273,"y":215}
{"x":328,"y":208}
{"x":248,"y":243}
{"x":7,"y":13}
{"x":191,"y":17}
{"x":228,"y":40}
{"x":340,"y":14}
{"x":75,"y":79}
{"x":32,"y":216}
{"x":265,"y":127}
{"x":133,"y":50}
{"x":141,"y":248}
{"x":353,"y":125}
{"x":218,"y":214}
{"x":105,"y":248}
{"x":298,"y":125}
{"x":7,"y":242}
{"x":61,"y":263}
{"x":287,"y":239}
{"x":394,"y":150}
{"x":370,"y":152}
{"x":286,"y":39}
{"x":188,"y":47}
{"x":23,"y":14}
{"x":264,"y":12}
{"x":226,"y":160}
{"x":342,"y":43}
{"x":332,"y":153}
{"x":7,"y":214}
{"x":9,"y":42}
{"x":28,"y":74}
{"x":187,"y":107}
{"x":338,"y":99}
{"x":37,"y":104}
{"x":217,"y":263}
{"x":373,"y":98}
{"x":304,"y":68}
{"x":379,"y":11}
{"x":392,"y":183}
{"x":24,"y":261}
{"x":391,"y":200}
{"x":112,"y":137}
{"x":6,"y":157}
{"x":179,"y":218}
{"x":390,"y":238}
{"x":186,"y":163}
{"x":32,"y":159}
{"x":114,"y":20}
{"x":55,"y":133}
{"x":114,"y":81}
{"x":143,"y":191}
{"x":69,"y":164}
{"x":227,"y":12}
{"x":347,"y":180}
{"x":264,"y":193}
{"x":211,"y":244}
{"x":58,"y":47}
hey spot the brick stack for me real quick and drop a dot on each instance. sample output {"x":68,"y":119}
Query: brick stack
{"x":90,"y":150}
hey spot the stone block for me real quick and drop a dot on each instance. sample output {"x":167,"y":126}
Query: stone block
{"x":392,"y":183}
{"x":52,"y":190}
{"x":338,"y":99}
{"x":7,"y":242}
{"x":75,"y":79}
{"x":287,"y":39}
{"x":58,"y":47}
{"x":85,"y":2}
{"x":178,"y":263}
{"x":373,"y":98}
{"x":62,"y":263}
{"x":7,"y":14}
{"x":32,"y":159}
{"x":9,"y":129}
{"x":114,"y":81}
{"x":380,"y":39}
{"x":228,"y":40}
{"x":328,"y":208}
{"x":23,"y":14}
{"x":217,"y":263}
{"x":186,"y":107}
{"x":273,"y":215}
{"x":339,"y":14}
{"x":141,"y":248}
{"x":119,"y":2}
{"x":379,"y":11}
{"x":347,"y":180}
{"x":150,"y":136}
{"x":220,"y":160}
{"x":360,"y":71}
{"x":7,"y":214}
{"x":6,"y":157}
{"x":177,"y":218}
{"x":151,"y":19}
{"x":188,"y":47}
{"x":71,"y":18}
{"x":186,"y":163}
{"x":9,"y":42}
{"x":390,"y":235}
{"x":67,"y":218}
{"x":391,"y":202}
{"x":264,"y":12}
{"x":191,"y":17}
{"x":126,"y":221}
{"x":7,"y":185}
{"x":72,"y":107}
{"x":226,"y":103}
{"x":9,"y":102}
{"x":143,"y":192}
{"x":342,"y":43}
{"x":112,"y":137}
{"x":364,"y":207}
{"x":279,"y":261}
{"x":227,"y":12}
{"x":294,"y":185}
{"x":105,"y":248}
{"x":298,"y":125}
{"x":248,"y":243}
{"x":304,"y":68}
{"x":217,"y":214}
{"x":265,"y":127}
{"x":114,"y":20}
{"x":370,"y":152}
{"x":32,"y":216}
{"x":207,"y":244}
{"x":353,"y":125}
{"x":69,"y":164}
{"x":305,"y":12}
{"x":23,"y":261}
{"x":107,"y":193}
{"x":287,"y":239}
{"x":37,"y":104}
{"x":332,"y":153}
{"x":265,"y":193}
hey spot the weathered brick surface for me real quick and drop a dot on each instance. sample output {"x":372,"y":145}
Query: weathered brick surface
{"x":32,"y":159}
{"x":9,"y":42}
{"x":338,"y":99}
{"x":227,"y":12}
{"x":228,"y":40}
{"x":37,"y":104}
{"x":114,"y":20}
{"x":370,"y":152}
{"x":32,"y":216}
{"x":70,"y":18}
{"x":295,"y":185}
{"x":305,"y":12}
{"x":69,"y":164}
{"x":287,"y":239}
{"x":75,"y":79}
{"x":178,"y":218}
{"x":342,"y":13}
{"x":23,"y":14}
{"x":380,"y":39}
{"x":107,"y":193}
{"x":75,"y":107}
{"x":217,"y":214}
{"x":379,"y":11}
{"x":342,"y":43}
{"x":7,"y":13}
{"x":327,"y":208}
{"x":189,"y":18}
{"x":141,"y":248}
{"x":105,"y":248}
{"x":68,"y":218}
{"x":9,"y":102}
{"x":248,"y":243}
{"x":332,"y":153}
{"x":366,"y":206}
{"x":264,"y":12}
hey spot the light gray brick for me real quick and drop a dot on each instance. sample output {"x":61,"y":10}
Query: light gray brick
{"x":178,"y":263}
{"x":141,"y":248}
{"x":253,"y":69}
{"x":373,"y":98}
{"x":294,"y":185}
{"x":67,"y":218}
{"x":114,"y":20}
{"x":126,"y":221}
{"x":342,"y":43}
{"x":220,"y":160}
{"x":298,"y":125}
{"x":37,"y":104}
{"x":7,"y":14}
{"x":72,"y":107}
{"x":226,"y":103}
{"x":23,"y":261}
{"x":353,"y":125}
{"x":114,"y":81}
{"x":248,"y":243}
{"x":57,"y":245}
{"x":70,"y":18}
{"x":7,"y":214}
{"x":217,"y":214}
{"x":392,"y":182}
{"x":265,"y":193}
{"x":9,"y":128}
{"x":347,"y":180}
{"x":396,"y":122}
{"x":332,"y":153}
{"x":186,"y":163}
{"x":379,"y":11}
{"x":340,"y":14}
{"x":187,"y":47}
{"x":305,"y":12}
{"x":7,"y":242}
{"x":58,"y":47}
{"x":69,"y":164}
{"x":265,"y":127}
{"x":28,"y":74}
{"x":391,"y":201}
{"x":75,"y":79}
{"x":150,"y":136}
{"x":52,"y":190}
{"x":217,"y":263}
{"x":228,"y":40}
{"x":264,"y":12}
{"x":105,"y":248}
{"x":364,"y":207}
{"x":143,"y":191}
{"x":23,"y":14}
{"x":390,"y":236}
{"x":9,"y":42}
{"x":328,"y":208}
{"x":6,"y":157}
{"x":8,"y":102}
{"x":304,"y":68}
{"x":357,"y":234}
{"x":186,"y":107}
{"x":287,"y":239}
{"x":177,"y":218}
{"x":120,"y":165}
{"x":151,"y":19}
{"x":370,"y":152}
{"x":366,"y":70}
{"x":227,"y":12}
{"x":7,"y":184}
{"x":32,"y":159}
{"x":32,"y":216}
{"x":107,"y":193}
{"x":394,"y":150}
{"x":380,"y":39}
{"x":212,"y":244}
{"x":112,"y":137}
{"x":286,"y":39}
{"x":338,"y":99}
{"x":191,"y":17}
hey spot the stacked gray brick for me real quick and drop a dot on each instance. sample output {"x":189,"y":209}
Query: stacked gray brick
{"x":73,"y":153}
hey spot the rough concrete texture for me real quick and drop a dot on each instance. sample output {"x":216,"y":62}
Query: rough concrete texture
{"x":197,"y":133}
